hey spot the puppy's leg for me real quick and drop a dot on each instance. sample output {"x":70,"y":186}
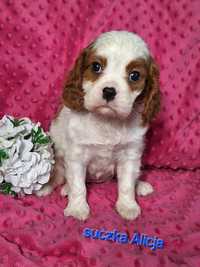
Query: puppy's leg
{"x":127,"y":175}
{"x":64,"y":190}
{"x":75,"y":173}
{"x":57,"y":178}
{"x":144,"y":188}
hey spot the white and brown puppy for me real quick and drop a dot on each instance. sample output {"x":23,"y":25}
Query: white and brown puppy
{"x":109,"y":99}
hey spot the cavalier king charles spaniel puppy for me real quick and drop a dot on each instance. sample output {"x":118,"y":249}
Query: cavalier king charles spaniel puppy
{"x":110,"y":97}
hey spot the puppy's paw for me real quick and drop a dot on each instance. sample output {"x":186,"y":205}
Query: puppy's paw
{"x":78,"y":212}
{"x":44,"y":191}
{"x":128,"y":211}
{"x":144,"y":188}
{"x":64,"y":190}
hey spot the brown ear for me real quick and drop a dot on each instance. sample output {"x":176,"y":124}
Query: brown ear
{"x":151,"y":93}
{"x":73,"y":95}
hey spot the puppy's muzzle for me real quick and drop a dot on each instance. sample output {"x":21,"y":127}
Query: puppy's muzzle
{"x":109,"y":93}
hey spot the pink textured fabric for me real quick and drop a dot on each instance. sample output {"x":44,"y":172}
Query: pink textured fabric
{"x":39,"y":41}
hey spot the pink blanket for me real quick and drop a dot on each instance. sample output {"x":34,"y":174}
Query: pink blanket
{"x":39,"y":41}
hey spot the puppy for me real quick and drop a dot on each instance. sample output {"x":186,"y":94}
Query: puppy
{"x":109,"y":99}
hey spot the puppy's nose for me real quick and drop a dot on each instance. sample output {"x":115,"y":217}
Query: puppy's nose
{"x":109,"y":93}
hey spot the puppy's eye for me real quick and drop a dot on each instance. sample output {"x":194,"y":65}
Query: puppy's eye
{"x":134,"y":76}
{"x":96,"y":67}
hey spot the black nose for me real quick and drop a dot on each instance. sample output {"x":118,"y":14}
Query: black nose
{"x":109,"y":93}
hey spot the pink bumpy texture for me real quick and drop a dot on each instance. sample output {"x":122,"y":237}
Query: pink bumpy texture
{"x":39,"y":41}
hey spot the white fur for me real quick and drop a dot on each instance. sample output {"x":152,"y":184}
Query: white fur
{"x":109,"y":139}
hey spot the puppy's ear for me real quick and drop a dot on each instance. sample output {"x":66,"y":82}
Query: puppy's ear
{"x":73,"y":95}
{"x":151,"y":93}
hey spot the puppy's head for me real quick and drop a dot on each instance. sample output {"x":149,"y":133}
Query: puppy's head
{"x":113,"y":74}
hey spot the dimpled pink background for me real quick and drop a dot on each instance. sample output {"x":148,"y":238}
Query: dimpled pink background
{"x":39,"y":41}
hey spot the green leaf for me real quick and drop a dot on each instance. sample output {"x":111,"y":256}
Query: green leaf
{"x":3,"y":155}
{"x":38,"y":137}
{"x":44,"y":140}
{"x":39,"y":130}
{"x":27,"y":136}
{"x":16,"y":122}
{"x":5,"y":188}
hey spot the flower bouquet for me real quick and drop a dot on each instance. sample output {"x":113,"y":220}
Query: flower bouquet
{"x":26,"y":156}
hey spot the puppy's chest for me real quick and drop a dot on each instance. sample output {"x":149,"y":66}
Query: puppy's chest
{"x":101,"y":162}
{"x":102,"y":146}
{"x":90,"y":131}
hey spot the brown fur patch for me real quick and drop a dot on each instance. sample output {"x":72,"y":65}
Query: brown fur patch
{"x":89,"y":74}
{"x":73,"y":94}
{"x":150,"y":96}
{"x":139,"y":65}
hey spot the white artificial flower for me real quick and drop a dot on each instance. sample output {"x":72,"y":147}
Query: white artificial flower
{"x":28,"y":165}
{"x":7,"y":129}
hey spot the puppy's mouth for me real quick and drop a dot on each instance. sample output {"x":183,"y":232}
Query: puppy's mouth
{"x":106,"y":110}
{"x":109,"y":112}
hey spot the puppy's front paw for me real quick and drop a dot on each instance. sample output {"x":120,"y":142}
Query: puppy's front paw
{"x":44,"y":191}
{"x":144,"y":188}
{"x":128,"y":211}
{"x":77,"y":211}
